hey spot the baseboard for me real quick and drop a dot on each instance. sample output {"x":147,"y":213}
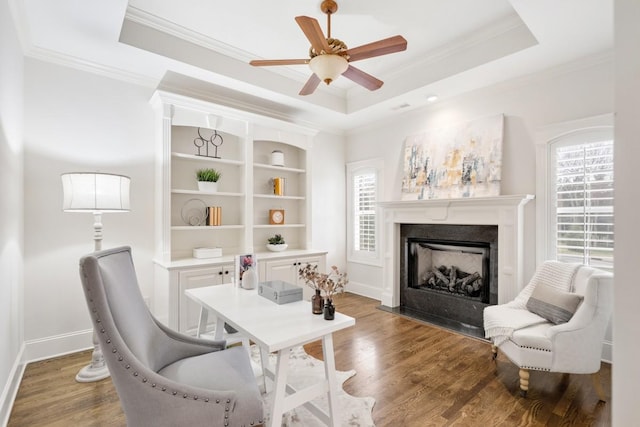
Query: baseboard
{"x":607,"y":352}
{"x":364,"y":290}
{"x":57,"y":345}
{"x":11,"y":388}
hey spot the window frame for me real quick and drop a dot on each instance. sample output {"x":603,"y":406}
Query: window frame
{"x":590,"y":130}
{"x":353,"y":169}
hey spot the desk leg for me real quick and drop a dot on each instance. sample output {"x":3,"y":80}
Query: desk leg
{"x":202,"y":323}
{"x":330,"y":373}
{"x":264,"y":364}
{"x":282,"y":368}
{"x":219,"y":329}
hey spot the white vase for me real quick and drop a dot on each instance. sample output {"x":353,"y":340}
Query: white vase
{"x":208,"y":186}
{"x":249,"y":278}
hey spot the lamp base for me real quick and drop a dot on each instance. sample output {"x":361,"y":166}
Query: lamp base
{"x":97,"y":370}
{"x":92,"y":373}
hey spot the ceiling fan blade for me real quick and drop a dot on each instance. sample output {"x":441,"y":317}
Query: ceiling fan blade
{"x":362,"y":78}
{"x":268,"y":62}
{"x":310,"y":86}
{"x":312,"y":30}
{"x":381,"y":47}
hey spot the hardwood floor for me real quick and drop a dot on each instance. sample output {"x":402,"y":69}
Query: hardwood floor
{"x":420,"y":375}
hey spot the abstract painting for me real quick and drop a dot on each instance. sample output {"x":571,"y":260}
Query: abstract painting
{"x":455,"y":162}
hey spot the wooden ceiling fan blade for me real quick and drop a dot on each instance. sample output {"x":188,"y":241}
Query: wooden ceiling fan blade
{"x":269,"y":62}
{"x":381,"y":47}
{"x":313,"y":32}
{"x":362,"y":78}
{"x":310,"y":86}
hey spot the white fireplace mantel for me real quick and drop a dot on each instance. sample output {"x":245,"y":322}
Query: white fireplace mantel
{"x":504,"y":211}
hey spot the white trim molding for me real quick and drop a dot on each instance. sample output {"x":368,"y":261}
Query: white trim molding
{"x":507,"y":212}
{"x":57,"y":345}
{"x":361,"y":167}
{"x":590,"y":127}
{"x":8,"y":396}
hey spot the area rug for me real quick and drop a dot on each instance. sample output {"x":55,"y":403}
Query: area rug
{"x":305,"y":370}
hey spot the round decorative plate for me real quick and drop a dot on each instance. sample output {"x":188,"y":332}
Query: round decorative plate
{"x":194,"y":212}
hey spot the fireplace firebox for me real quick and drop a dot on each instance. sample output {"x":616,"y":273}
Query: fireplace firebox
{"x":448,"y":273}
{"x":452,"y":267}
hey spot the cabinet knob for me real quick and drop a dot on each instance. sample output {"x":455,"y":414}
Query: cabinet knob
{"x":226,"y":272}
{"x":220,"y":273}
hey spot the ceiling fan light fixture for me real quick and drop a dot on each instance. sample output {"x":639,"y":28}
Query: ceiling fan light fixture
{"x":328,"y":67}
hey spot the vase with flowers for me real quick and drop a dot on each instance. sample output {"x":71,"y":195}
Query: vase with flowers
{"x":329,"y":284}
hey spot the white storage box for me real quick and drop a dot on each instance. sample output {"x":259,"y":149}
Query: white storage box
{"x":207,"y":252}
{"x":280,"y":292}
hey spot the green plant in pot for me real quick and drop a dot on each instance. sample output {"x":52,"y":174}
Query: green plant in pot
{"x":208,"y":179}
{"x":276,"y":243}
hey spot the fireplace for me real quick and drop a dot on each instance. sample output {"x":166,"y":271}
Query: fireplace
{"x":451,"y":267}
{"x":448,"y":273}
{"x":500,"y":246}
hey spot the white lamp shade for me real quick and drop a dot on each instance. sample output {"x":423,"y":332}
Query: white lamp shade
{"x":95,"y":192}
{"x":328,"y":66}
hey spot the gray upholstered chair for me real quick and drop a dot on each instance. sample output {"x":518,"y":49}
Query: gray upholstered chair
{"x":556,"y":324}
{"x":163,"y":378}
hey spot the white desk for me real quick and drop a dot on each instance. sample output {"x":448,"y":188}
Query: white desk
{"x":277,"y":328}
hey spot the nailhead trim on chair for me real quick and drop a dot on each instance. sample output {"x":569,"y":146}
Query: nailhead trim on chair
{"x":120,"y":359}
{"x":535,"y":368}
{"x":533,"y":348}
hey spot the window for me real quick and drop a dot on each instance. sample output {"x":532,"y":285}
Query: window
{"x":581,"y":195}
{"x":364,"y":211}
{"x":364,"y":180}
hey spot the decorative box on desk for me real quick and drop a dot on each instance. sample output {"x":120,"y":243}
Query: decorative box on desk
{"x":280,"y":292}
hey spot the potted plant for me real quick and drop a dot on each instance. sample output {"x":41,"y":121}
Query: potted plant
{"x":208,"y":179}
{"x":276,"y":243}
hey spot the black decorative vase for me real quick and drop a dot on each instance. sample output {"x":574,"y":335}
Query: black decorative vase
{"x":329,"y":309}
{"x":317,"y":303}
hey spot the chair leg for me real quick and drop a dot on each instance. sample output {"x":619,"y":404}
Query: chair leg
{"x":595,"y":378}
{"x":494,"y":351}
{"x":524,"y":382}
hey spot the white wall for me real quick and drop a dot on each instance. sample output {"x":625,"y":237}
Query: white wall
{"x":626,"y":317}
{"x":568,"y":93}
{"x":11,"y":203}
{"x":77,"y":121}
{"x":328,"y":198}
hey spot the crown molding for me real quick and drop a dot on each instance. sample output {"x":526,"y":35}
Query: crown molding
{"x":504,"y":28}
{"x":81,"y":64}
{"x":157,"y":23}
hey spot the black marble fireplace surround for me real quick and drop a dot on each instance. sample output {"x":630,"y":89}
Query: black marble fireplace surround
{"x":449,"y":306}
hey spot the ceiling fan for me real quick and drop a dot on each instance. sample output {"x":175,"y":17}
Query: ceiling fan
{"x":330,"y":57}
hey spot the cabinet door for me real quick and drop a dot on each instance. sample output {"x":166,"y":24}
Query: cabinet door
{"x":189,"y":311}
{"x":282,"y":269}
{"x":287,"y":271}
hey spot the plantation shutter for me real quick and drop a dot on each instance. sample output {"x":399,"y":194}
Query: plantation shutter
{"x":364,"y":192}
{"x":584,"y":204}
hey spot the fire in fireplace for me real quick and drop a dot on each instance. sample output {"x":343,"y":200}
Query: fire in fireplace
{"x":448,"y":273}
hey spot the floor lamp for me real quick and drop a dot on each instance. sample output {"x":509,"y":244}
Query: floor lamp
{"x":95,"y":193}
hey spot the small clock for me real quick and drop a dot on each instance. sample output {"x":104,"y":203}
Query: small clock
{"x":276,"y":216}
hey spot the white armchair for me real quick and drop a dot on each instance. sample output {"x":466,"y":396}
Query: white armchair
{"x":528,"y":331}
